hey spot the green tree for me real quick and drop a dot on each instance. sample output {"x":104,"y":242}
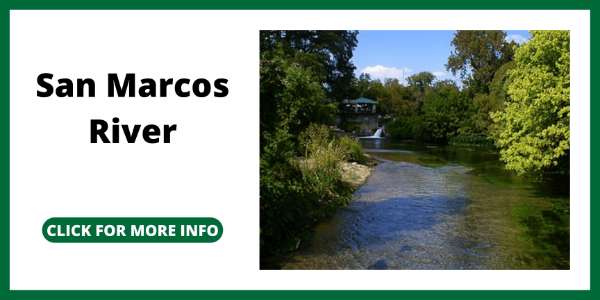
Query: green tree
{"x":485,"y":104}
{"x":533,"y":129}
{"x":419,"y":83}
{"x":291,"y":95}
{"x":331,"y":49}
{"x":477,"y":55}
{"x":364,"y":86}
{"x":444,"y":111}
{"x":397,"y":99}
{"x":421,"y":80}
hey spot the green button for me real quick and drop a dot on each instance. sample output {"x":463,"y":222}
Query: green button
{"x":132,"y":230}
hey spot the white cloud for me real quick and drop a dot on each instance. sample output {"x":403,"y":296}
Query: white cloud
{"x":517,"y":38}
{"x":440,"y":74}
{"x":380,"y":72}
{"x":383,"y":72}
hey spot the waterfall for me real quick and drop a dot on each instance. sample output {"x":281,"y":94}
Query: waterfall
{"x":376,"y":135}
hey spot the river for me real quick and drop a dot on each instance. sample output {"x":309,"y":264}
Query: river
{"x":430,"y":207}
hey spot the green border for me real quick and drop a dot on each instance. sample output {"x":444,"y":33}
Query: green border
{"x":7,"y":5}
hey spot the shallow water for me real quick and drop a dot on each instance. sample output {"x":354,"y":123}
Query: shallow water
{"x":443,"y":208}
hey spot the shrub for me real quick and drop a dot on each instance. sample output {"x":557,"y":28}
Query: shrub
{"x":296,"y":192}
{"x":320,"y":165}
{"x":313,"y":138}
{"x":352,"y":149}
{"x":402,"y":127}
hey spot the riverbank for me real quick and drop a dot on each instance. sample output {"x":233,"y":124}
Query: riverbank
{"x":352,"y":175}
{"x":305,"y":180}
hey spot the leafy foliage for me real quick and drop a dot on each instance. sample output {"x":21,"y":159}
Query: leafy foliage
{"x":477,"y":55}
{"x":290,"y":93}
{"x":485,"y":104}
{"x":404,"y":127}
{"x":329,"y":50}
{"x":393,"y":97}
{"x":533,"y":129}
{"x":300,"y":180}
{"x":352,"y":150}
{"x":444,"y":111}
{"x":296,"y":192}
{"x":419,"y":83}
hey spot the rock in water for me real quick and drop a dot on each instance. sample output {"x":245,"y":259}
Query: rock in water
{"x":379,"y":265}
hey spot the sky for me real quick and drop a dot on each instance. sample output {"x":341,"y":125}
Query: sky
{"x":401,"y":53}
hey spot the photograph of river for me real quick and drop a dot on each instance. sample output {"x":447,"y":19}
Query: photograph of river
{"x":411,"y":150}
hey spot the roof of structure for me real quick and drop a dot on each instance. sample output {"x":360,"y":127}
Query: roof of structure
{"x":361,"y":100}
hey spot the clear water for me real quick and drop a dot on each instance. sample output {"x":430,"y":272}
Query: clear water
{"x":443,"y":208}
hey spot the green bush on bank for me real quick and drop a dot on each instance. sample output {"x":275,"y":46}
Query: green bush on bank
{"x":317,"y":138}
{"x":402,"y":128}
{"x":300,"y":188}
{"x":320,"y":169}
{"x":352,"y":149}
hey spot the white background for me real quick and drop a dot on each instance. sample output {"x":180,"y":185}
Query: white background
{"x":211,"y":167}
